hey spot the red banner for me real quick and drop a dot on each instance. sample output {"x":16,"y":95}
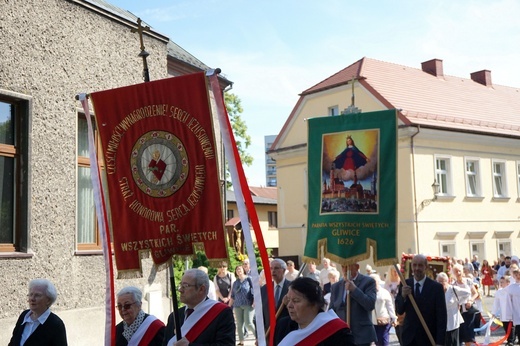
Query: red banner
{"x":160,"y":163}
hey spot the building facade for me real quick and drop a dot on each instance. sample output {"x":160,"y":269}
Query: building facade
{"x":52,"y":51}
{"x":458,"y":135}
{"x":270,"y":164}
{"x":265,"y":201}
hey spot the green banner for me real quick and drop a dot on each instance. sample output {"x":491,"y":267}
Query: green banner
{"x":352,"y":187}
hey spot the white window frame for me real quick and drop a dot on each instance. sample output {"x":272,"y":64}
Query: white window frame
{"x":473,"y":175}
{"x":450,"y":244}
{"x":499,"y":176}
{"x":504,"y":241}
{"x":481,"y":253}
{"x":443,"y":176}
{"x":333,"y":111}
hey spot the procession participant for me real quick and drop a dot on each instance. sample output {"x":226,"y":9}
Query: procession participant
{"x":203,"y":321}
{"x":430,"y":299}
{"x":38,"y":326}
{"x":307,"y":323}
{"x":137,"y":327}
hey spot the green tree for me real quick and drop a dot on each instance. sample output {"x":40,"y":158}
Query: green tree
{"x":243,"y":140}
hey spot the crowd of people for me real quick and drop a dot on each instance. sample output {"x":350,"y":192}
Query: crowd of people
{"x":318,"y":307}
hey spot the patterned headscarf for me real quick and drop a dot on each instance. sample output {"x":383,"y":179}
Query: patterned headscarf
{"x":129,"y":330}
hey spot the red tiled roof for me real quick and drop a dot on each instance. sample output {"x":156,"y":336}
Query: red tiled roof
{"x":264,"y":191}
{"x":444,"y":101}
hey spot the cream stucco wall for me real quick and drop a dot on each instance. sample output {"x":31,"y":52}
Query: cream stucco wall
{"x":456,"y":220}
{"x":270,"y":235}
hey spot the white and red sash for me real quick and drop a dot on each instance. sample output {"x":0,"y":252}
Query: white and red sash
{"x":324,"y":325}
{"x":146,"y":331}
{"x":199,"y":319}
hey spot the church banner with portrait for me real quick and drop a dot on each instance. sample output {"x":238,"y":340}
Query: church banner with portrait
{"x":160,"y":166}
{"x":352,"y":174}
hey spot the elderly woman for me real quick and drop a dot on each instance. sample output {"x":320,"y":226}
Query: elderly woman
{"x":137,"y":327}
{"x":454,"y":297}
{"x":38,"y":325}
{"x":307,"y":323}
{"x":466,"y":331}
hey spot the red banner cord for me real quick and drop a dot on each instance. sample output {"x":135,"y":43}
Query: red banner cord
{"x":99,"y":201}
{"x":242,"y":188}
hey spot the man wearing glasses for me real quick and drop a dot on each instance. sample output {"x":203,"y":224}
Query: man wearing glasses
{"x":280,"y":287}
{"x":203,"y":321}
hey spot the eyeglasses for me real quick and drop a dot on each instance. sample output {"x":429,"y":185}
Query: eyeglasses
{"x":35,"y":296}
{"x":222,"y":266}
{"x":125,"y":306}
{"x":184,"y":286}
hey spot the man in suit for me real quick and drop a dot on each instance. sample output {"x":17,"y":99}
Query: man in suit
{"x":280,"y":284}
{"x":429,"y":296}
{"x":204,"y":321}
{"x":360,"y":291}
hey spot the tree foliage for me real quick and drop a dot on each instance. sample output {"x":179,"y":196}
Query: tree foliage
{"x":243,"y":140}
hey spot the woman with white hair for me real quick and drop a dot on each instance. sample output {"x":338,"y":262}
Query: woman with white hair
{"x":466,"y":331}
{"x":38,"y":326}
{"x":137,"y":327}
{"x":383,"y":315}
{"x":454,"y":297}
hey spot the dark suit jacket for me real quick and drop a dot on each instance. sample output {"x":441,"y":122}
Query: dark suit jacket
{"x":432,"y":306}
{"x":285,"y":325}
{"x":362,"y":301}
{"x":51,"y":333}
{"x":265,"y":305}
{"x":221,"y":331}
{"x":121,"y":340}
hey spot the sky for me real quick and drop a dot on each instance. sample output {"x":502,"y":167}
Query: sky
{"x":272,"y":50}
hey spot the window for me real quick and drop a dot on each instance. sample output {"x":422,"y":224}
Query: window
{"x":273,"y":219}
{"x":14,"y":175}
{"x":504,"y":247}
{"x":333,"y":111}
{"x":472,"y":178}
{"x":442,"y":175}
{"x":499,"y":179}
{"x":477,"y":248}
{"x":447,"y":249}
{"x":230,"y":214}
{"x":86,"y":222}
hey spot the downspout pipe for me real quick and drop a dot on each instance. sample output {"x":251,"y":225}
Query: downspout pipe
{"x":416,"y":212}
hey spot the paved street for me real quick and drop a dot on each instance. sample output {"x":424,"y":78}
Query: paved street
{"x":487,"y":303}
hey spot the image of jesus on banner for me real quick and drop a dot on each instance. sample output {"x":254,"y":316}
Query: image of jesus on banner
{"x":349,"y":172}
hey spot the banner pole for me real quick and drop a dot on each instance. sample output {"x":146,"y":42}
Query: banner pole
{"x":175,"y":303}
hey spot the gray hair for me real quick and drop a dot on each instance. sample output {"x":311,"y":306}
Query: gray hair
{"x":50,"y":290}
{"x":281,"y":262}
{"x":443,"y":276}
{"x":201,"y":278}
{"x":134,"y":291}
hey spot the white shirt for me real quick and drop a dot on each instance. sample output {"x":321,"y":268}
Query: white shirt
{"x":502,"y":305}
{"x":31,"y":325}
{"x":384,"y":307}
{"x":454,"y":297}
{"x":514,"y":295}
